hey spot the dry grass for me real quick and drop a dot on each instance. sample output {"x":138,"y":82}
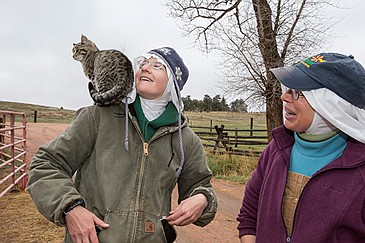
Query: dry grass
{"x":44,"y":113}
{"x":27,"y":225}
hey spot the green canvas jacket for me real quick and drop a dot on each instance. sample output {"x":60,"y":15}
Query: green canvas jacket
{"x":129,"y":190}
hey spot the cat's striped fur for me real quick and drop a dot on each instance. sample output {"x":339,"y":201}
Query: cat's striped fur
{"x":110,"y":72}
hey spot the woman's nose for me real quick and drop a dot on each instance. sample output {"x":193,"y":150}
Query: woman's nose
{"x":286,"y":96}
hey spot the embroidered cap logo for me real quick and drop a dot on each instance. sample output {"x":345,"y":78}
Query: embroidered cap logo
{"x":315,"y":59}
{"x":165,"y":51}
{"x":178,"y":73}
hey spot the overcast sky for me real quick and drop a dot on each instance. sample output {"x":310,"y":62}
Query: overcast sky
{"x":36,"y":37}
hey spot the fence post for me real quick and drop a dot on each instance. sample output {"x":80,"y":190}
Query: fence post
{"x":211,"y":125}
{"x":251,"y":126}
{"x":1,"y":133}
{"x":35,"y":116}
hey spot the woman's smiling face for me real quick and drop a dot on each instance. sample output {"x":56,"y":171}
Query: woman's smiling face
{"x":151,"y":79}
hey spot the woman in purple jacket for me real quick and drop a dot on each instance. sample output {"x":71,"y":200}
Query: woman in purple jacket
{"x":309,"y":185}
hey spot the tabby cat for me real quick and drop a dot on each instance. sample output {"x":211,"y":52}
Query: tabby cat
{"x":110,"y":72}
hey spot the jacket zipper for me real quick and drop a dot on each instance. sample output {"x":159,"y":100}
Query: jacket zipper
{"x":139,"y":191}
{"x":139,"y":185}
{"x":140,"y":179}
{"x":145,"y":149}
{"x":287,"y":239}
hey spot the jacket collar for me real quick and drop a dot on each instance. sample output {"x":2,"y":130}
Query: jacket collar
{"x":353,"y":155}
{"x":283,"y":137}
{"x":168,"y":117}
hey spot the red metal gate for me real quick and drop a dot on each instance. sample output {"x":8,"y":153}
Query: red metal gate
{"x":13,"y":150}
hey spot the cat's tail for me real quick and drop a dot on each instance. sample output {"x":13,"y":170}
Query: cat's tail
{"x":111,"y":97}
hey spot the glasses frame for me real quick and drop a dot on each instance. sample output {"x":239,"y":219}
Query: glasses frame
{"x":156,"y":65}
{"x":295,"y":93}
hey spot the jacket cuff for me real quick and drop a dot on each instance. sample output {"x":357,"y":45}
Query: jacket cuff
{"x":210,"y":211}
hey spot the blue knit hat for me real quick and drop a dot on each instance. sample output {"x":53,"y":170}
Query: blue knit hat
{"x":336,"y":72}
{"x":175,"y":65}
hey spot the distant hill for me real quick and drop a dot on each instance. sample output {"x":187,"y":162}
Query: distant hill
{"x":43,"y":113}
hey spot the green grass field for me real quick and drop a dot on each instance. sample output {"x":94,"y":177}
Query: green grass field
{"x":229,"y":119}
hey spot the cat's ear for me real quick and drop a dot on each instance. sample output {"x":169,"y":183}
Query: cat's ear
{"x":84,"y":39}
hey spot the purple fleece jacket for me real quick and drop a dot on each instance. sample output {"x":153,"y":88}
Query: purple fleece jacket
{"x":330,"y":209}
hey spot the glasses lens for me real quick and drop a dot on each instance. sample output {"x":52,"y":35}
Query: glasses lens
{"x":143,"y":63}
{"x":294,"y":94}
{"x":156,"y":65}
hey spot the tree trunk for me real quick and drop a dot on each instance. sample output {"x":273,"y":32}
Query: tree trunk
{"x":274,"y":112}
{"x":271,"y":58}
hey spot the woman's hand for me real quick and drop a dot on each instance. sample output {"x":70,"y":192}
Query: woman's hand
{"x":188,"y":210}
{"x":81,"y":225}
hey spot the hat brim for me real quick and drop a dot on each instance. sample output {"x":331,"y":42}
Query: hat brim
{"x":294,"y":78}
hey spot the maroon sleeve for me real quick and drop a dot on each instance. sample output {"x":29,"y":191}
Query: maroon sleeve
{"x":247,"y":216}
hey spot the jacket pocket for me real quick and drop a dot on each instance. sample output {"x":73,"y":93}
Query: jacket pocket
{"x":130,"y":226}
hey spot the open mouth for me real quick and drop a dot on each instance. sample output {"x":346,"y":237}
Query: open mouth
{"x":289,"y":113}
{"x":145,"y":79}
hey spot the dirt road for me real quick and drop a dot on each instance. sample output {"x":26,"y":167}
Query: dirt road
{"x":20,"y":222}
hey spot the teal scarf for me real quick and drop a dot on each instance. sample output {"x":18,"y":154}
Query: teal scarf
{"x":307,"y":157}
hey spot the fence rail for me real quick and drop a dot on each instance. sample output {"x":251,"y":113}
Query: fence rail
{"x":13,"y":150}
{"x":232,"y":141}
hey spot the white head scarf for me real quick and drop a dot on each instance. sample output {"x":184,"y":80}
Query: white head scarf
{"x":340,"y":113}
{"x":155,"y":107}
{"x":320,"y":125}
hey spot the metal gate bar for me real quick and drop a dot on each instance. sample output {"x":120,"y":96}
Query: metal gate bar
{"x":13,"y":150}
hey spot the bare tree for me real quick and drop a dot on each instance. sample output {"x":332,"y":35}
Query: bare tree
{"x":252,"y":37}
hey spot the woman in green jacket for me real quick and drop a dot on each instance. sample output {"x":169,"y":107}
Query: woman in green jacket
{"x":128,"y":160}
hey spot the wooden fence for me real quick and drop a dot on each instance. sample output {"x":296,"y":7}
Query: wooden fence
{"x":13,"y":166}
{"x":247,"y":142}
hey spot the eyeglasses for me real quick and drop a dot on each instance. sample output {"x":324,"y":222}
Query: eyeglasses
{"x":295,"y":94}
{"x":153,"y":64}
